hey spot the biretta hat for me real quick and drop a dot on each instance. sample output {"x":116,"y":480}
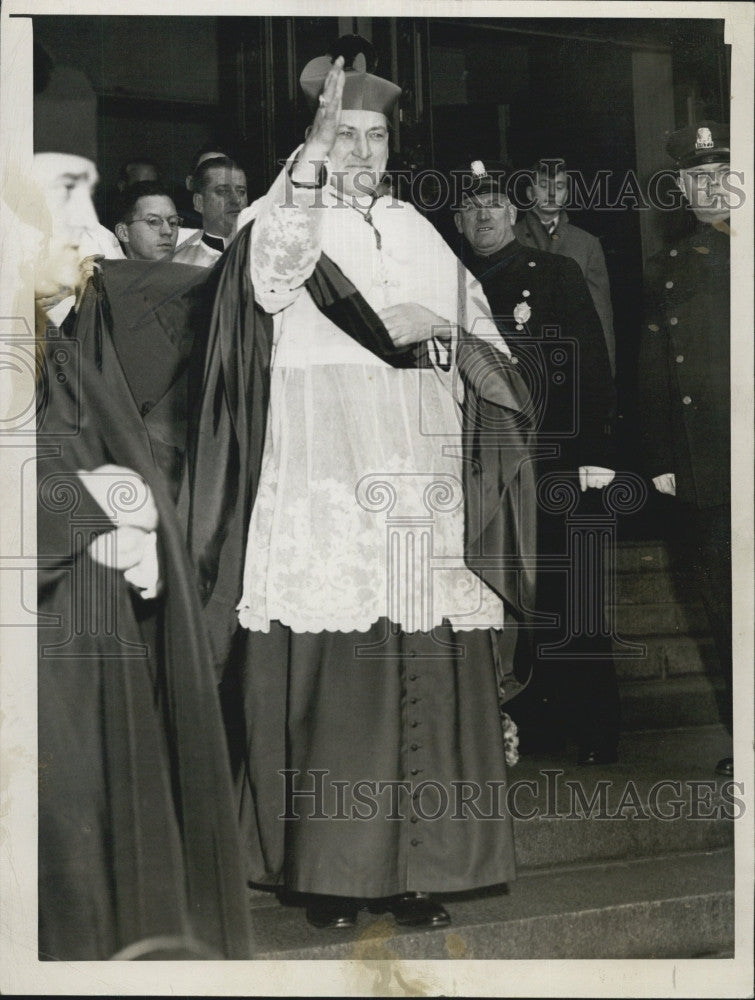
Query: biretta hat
{"x":362,"y":91}
{"x":706,"y":142}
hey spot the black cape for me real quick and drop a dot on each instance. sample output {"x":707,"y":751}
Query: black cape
{"x":226,"y":442}
{"x":138,"y":840}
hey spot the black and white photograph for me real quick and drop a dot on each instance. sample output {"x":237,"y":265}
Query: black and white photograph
{"x":377,"y":468}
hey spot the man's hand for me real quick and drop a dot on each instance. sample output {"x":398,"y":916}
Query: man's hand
{"x":410,"y":323}
{"x":666,"y":483}
{"x":123,"y":495}
{"x":120,"y":548}
{"x":86,"y":269}
{"x":324,"y":129}
{"x":144,"y":576}
{"x":594,"y":477}
{"x":135,"y":552}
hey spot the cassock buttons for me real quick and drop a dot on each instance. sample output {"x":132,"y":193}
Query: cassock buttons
{"x":669,"y":284}
{"x":673,"y":253}
{"x":673,"y":321}
{"x":531,"y":263}
{"x":686,"y":400}
{"x":679,"y":358}
{"x":525,"y":293}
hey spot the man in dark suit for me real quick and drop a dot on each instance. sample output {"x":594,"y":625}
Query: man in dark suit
{"x":684,"y":395}
{"x":547,"y":227}
{"x":558,"y":339}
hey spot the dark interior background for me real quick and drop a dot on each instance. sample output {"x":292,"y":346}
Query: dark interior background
{"x":600,"y":93}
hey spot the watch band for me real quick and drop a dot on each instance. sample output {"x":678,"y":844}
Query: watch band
{"x":299,"y":184}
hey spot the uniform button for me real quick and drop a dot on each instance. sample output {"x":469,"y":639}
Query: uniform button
{"x":412,"y":652}
{"x":413,"y":819}
{"x":412,"y":677}
{"x":669,"y":284}
{"x":415,"y":724}
{"x":415,"y":842}
{"x":415,"y":746}
{"x":686,"y":400}
{"x":519,"y":326}
{"x":673,"y":321}
{"x":679,"y":358}
{"x":415,"y":770}
{"x":413,"y":701}
{"x":673,"y":253}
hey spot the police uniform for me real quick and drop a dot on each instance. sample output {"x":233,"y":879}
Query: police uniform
{"x":540,"y":299}
{"x":568,"y":240}
{"x":684,"y":394}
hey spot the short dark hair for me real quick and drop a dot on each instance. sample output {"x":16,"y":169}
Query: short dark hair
{"x":216,"y":148}
{"x":145,"y":160}
{"x":132,"y":194}
{"x":200,"y":176}
{"x":548,"y":166}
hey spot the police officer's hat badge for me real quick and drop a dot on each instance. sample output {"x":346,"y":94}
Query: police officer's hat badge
{"x":704,"y":139}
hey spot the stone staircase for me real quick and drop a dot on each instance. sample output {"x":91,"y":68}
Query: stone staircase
{"x":612,"y":864}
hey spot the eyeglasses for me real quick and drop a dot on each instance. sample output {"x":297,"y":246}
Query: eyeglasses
{"x":156,"y":221}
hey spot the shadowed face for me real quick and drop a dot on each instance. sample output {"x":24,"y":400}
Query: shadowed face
{"x":360,"y":153}
{"x":65,"y":183}
{"x":549,"y":193}
{"x":486,"y":222}
{"x":152,"y":230}
{"x":221,"y":198}
{"x":705,"y":189}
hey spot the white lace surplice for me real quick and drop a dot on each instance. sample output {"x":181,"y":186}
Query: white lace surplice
{"x":359,"y":512}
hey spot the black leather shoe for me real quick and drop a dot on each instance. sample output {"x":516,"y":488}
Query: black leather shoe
{"x":725,"y":767}
{"x":332,"y":911}
{"x":413,"y":909}
{"x":593,"y":756}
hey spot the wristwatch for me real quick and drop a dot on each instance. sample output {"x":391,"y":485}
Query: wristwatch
{"x":318,"y":184}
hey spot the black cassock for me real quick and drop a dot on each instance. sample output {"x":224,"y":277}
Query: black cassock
{"x":303,"y":702}
{"x":138,"y":842}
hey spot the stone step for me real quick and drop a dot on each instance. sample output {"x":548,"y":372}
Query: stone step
{"x":573,"y":814}
{"x":663,"y":656}
{"x":669,"y":617}
{"x":643,"y":556}
{"x":649,"y":586}
{"x":679,"y":906}
{"x":631,"y":817}
{"x":672,"y":703}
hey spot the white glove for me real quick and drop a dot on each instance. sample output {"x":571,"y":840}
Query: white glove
{"x":594,"y":476}
{"x":123,"y":495}
{"x":145,"y":575}
{"x":666,"y":483}
{"x":135,"y":552}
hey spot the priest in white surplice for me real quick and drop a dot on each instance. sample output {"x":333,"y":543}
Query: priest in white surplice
{"x":370,"y":672}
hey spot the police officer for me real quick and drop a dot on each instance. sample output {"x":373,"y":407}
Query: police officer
{"x":543,"y":307}
{"x":684,"y":400}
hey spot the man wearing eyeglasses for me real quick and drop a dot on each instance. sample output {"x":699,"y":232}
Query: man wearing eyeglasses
{"x":148,"y":222}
